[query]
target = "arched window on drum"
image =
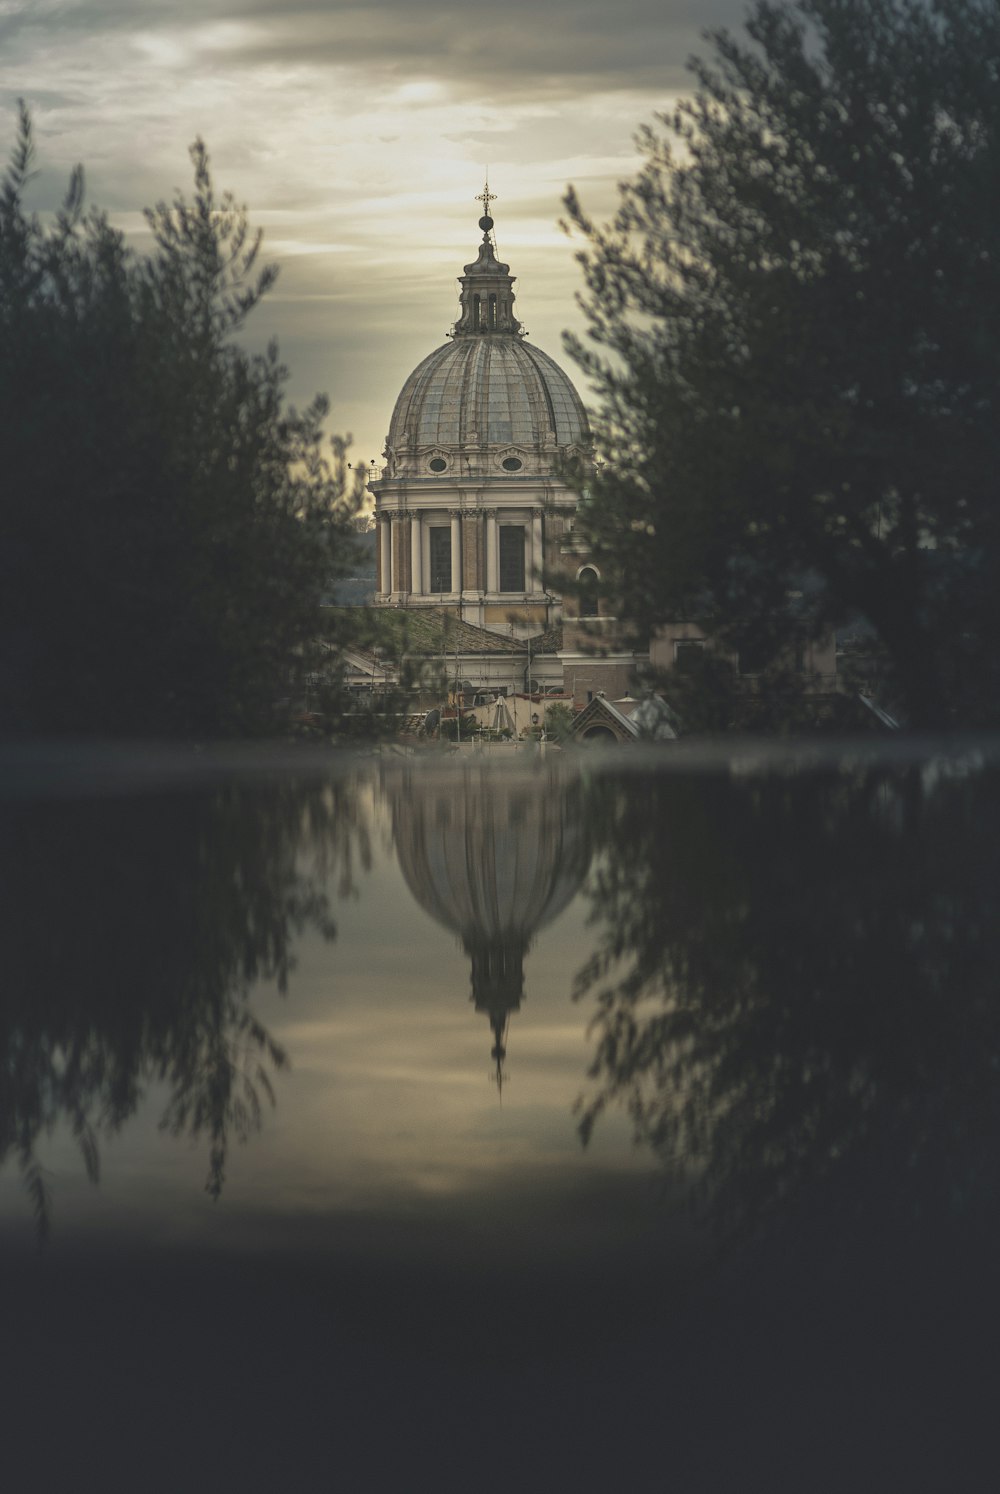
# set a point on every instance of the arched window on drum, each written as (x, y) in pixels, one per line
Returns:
(589, 582)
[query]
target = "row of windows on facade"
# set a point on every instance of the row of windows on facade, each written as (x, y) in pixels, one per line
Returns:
(511, 567)
(511, 558)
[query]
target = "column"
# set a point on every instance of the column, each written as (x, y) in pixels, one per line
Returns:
(395, 520)
(534, 581)
(456, 550)
(384, 554)
(401, 550)
(416, 554)
(492, 553)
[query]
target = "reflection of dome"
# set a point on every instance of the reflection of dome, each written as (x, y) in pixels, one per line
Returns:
(497, 859)
(493, 856)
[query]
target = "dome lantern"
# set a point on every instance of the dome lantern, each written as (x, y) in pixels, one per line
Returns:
(487, 288)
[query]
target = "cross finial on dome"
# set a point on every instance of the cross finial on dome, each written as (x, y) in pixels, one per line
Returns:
(486, 197)
(487, 286)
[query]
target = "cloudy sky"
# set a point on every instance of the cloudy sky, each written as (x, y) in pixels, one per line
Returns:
(358, 135)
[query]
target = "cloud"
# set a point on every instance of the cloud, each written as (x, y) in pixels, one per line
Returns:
(358, 135)
(473, 46)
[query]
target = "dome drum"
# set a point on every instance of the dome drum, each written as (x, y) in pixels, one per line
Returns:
(494, 465)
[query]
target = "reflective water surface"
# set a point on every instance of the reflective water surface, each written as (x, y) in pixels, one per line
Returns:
(530, 1122)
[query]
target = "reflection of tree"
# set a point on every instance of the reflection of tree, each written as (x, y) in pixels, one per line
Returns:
(795, 985)
(133, 929)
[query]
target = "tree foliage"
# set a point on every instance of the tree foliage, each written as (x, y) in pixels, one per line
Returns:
(138, 928)
(792, 988)
(170, 524)
(796, 313)
(559, 721)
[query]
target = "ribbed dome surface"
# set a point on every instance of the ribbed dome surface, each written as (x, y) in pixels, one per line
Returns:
(489, 857)
(494, 390)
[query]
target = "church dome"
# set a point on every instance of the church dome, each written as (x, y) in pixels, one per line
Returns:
(487, 403)
(498, 391)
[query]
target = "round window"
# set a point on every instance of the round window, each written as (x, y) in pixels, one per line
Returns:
(511, 464)
(438, 464)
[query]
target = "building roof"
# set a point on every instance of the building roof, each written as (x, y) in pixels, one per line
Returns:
(601, 711)
(629, 718)
(492, 390)
(549, 642)
(433, 631)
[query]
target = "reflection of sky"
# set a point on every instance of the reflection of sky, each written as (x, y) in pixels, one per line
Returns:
(402, 1276)
(387, 1111)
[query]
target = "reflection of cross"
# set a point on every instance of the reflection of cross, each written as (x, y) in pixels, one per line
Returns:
(486, 197)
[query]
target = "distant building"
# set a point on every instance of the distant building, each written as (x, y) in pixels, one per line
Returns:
(675, 644)
(626, 720)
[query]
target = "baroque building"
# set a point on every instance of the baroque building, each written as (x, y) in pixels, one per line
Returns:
(472, 514)
(477, 528)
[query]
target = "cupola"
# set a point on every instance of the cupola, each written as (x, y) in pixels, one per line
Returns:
(487, 293)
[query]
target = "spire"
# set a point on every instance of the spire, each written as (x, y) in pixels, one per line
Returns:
(487, 286)
(498, 1025)
(497, 987)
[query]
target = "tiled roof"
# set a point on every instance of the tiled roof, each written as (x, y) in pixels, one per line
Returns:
(436, 630)
(549, 642)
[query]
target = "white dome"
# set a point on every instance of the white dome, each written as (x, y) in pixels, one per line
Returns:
(487, 402)
(495, 390)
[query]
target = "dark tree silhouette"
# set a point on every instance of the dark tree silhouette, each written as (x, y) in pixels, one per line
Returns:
(795, 988)
(797, 320)
(169, 524)
(134, 928)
